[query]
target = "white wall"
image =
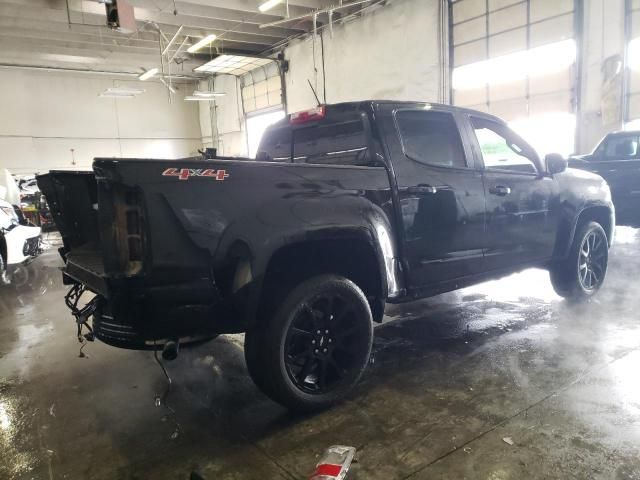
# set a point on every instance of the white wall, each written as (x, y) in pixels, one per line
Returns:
(392, 53)
(45, 114)
(227, 117)
(603, 37)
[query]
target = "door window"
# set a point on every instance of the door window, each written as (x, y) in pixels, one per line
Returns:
(620, 148)
(431, 137)
(502, 149)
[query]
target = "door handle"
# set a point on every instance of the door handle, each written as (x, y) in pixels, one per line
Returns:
(422, 188)
(500, 190)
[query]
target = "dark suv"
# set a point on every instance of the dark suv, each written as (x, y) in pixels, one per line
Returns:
(347, 207)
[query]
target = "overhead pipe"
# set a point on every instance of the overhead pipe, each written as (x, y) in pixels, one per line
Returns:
(9, 66)
(186, 39)
(279, 45)
(173, 39)
(315, 13)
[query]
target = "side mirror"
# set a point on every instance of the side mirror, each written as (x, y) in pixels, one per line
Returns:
(556, 163)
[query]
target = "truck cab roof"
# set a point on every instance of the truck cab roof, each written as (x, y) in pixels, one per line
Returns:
(370, 105)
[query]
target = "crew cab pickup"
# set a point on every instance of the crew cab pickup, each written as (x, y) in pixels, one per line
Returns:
(617, 160)
(345, 208)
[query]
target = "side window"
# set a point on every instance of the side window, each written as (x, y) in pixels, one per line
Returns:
(275, 145)
(502, 149)
(621, 147)
(332, 143)
(431, 138)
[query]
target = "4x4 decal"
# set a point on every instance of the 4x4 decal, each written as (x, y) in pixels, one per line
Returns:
(186, 173)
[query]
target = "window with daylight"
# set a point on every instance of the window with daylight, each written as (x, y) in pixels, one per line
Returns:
(633, 94)
(501, 149)
(552, 132)
(516, 60)
(256, 125)
(536, 62)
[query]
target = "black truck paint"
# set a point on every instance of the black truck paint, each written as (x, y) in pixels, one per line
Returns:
(395, 197)
(617, 160)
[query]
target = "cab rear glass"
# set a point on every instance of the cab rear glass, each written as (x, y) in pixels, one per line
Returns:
(332, 141)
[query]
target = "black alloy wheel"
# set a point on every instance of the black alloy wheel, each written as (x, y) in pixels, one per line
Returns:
(315, 346)
(582, 273)
(592, 260)
(322, 344)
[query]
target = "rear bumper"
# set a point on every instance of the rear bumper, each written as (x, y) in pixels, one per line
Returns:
(134, 313)
(140, 327)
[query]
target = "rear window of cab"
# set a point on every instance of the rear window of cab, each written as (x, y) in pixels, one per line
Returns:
(342, 141)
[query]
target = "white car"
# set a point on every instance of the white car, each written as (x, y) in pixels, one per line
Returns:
(18, 242)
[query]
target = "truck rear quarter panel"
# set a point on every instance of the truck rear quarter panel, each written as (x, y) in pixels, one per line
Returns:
(195, 220)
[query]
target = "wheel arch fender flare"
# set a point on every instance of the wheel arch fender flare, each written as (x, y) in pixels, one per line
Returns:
(378, 241)
(600, 212)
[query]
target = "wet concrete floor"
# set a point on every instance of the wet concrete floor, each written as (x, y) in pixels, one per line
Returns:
(500, 381)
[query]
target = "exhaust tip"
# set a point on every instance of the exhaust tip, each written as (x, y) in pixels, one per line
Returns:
(170, 350)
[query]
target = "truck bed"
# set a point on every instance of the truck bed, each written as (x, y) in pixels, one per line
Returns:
(85, 265)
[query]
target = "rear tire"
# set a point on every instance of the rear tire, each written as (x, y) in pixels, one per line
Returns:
(315, 346)
(582, 273)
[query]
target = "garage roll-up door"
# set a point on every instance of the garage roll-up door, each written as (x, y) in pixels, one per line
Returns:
(516, 59)
(261, 88)
(633, 95)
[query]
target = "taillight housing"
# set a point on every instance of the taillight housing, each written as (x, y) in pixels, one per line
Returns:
(122, 229)
(305, 116)
(334, 463)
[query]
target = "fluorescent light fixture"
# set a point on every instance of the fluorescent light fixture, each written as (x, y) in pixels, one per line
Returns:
(208, 94)
(535, 62)
(204, 95)
(633, 54)
(202, 43)
(232, 64)
(268, 5)
(203, 98)
(148, 74)
(122, 92)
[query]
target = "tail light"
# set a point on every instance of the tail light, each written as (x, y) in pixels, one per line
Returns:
(334, 463)
(123, 231)
(305, 116)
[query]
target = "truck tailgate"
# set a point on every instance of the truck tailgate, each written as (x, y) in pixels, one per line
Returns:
(73, 200)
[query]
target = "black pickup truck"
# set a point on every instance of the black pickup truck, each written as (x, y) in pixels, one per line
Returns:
(617, 160)
(346, 207)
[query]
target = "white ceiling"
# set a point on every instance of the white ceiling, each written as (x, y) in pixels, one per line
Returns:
(45, 33)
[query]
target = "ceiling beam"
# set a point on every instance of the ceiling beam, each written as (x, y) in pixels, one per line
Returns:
(251, 6)
(102, 34)
(43, 38)
(142, 15)
(212, 11)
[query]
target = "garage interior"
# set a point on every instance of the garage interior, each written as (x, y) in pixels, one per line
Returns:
(502, 380)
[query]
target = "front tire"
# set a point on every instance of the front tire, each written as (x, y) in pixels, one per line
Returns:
(316, 345)
(582, 274)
